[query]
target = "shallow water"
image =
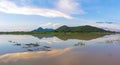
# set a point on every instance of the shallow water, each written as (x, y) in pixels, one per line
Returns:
(60, 50)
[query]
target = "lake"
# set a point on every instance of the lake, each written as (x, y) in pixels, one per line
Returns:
(60, 50)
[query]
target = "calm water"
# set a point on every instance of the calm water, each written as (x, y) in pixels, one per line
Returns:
(59, 50)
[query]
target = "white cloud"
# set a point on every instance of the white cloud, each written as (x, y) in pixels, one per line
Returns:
(28, 27)
(69, 6)
(51, 25)
(16, 28)
(10, 7)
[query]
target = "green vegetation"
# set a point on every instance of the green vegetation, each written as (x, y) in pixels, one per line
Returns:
(112, 41)
(80, 44)
(85, 28)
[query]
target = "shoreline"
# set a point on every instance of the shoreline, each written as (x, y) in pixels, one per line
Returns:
(58, 33)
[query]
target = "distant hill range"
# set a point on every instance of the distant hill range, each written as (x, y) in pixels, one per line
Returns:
(64, 28)
(40, 29)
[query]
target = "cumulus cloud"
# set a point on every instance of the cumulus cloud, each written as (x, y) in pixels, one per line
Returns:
(111, 27)
(50, 25)
(10, 7)
(16, 28)
(69, 6)
(28, 27)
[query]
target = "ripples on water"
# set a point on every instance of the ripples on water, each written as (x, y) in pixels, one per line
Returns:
(59, 50)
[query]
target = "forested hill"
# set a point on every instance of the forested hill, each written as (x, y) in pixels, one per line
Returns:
(86, 28)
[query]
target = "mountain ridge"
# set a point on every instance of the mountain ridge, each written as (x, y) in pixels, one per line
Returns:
(85, 28)
(65, 28)
(40, 29)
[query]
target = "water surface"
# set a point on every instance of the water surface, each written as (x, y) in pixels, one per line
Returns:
(60, 50)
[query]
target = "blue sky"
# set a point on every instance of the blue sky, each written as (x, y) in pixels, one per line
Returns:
(26, 15)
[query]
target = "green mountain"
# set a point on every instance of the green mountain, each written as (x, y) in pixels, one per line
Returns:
(86, 28)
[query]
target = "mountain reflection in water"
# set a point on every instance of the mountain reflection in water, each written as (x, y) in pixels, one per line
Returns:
(63, 50)
(79, 36)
